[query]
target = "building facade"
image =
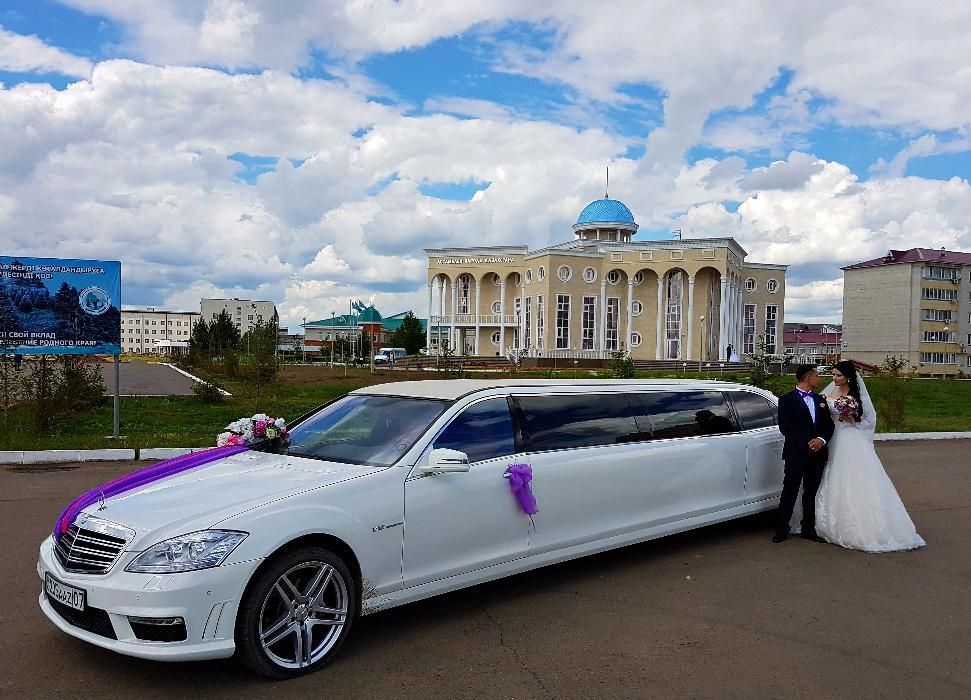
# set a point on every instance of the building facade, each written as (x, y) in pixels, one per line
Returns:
(813, 343)
(604, 292)
(244, 313)
(914, 304)
(153, 331)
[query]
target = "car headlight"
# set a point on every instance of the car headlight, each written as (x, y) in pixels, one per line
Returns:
(196, 550)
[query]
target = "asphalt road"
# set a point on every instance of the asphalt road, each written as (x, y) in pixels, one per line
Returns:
(719, 612)
(146, 379)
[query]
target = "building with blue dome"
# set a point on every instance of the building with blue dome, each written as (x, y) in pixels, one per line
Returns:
(605, 219)
(690, 300)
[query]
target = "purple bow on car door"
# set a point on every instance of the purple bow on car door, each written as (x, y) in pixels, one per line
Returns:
(519, 476)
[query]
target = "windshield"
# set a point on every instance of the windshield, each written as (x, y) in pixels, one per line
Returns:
(371, 430)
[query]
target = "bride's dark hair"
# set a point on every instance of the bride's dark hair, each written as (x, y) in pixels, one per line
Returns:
(848, 370)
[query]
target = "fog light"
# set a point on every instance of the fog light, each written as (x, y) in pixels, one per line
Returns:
(158, 629)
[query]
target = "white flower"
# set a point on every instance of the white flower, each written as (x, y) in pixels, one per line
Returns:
(260, 416)
(280, 423)
(222, 438)
(271, 433)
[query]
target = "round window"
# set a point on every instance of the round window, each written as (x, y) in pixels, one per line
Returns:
(564, 273)
(636, 308)
(517, 279)
(529, 276)
(495, 338)
(496, 307)
(541, 273)
(751, 285)
(772, 286)
(496, 279)
(635, 340)
(589, 274)
(638, 278)
(613, 277)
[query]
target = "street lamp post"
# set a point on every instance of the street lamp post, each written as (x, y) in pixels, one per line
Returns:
(333, 336)
(303, 345)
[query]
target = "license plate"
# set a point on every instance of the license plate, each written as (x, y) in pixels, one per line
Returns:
(61, 592)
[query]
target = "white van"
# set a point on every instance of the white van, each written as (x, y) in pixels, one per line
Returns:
(384, 355)
(395, 493)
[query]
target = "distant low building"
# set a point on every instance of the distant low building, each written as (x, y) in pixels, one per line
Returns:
(244, 313)
(813, 343)
(914, 304)
(365, 320)
(154, 331)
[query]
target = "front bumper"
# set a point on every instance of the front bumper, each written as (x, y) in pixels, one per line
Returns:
(207, 600)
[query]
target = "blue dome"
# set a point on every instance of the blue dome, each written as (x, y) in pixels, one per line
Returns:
(606, 211)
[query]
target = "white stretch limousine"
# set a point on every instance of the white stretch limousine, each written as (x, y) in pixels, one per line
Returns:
(394, 493)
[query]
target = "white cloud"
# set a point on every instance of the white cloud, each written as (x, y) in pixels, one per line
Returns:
(29, 54)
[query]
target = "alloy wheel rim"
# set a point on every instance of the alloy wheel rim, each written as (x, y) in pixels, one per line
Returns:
(303, 615)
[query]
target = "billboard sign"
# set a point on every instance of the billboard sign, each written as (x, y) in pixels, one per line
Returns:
(51, 306)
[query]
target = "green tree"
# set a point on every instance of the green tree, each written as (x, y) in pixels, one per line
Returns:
(223, 334)
(409, 335)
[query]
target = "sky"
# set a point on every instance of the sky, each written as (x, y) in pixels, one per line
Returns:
(308, 151)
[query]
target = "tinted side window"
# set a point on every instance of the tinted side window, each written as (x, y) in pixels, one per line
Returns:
(482, 431)
(578, 420)
(688, 413)
(753, 411)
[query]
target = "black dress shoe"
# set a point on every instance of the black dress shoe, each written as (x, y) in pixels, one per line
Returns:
(813, 537)
(780, 537)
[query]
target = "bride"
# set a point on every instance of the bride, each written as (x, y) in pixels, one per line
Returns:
(857, 506)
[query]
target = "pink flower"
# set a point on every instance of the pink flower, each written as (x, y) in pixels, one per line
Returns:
(235, 440)
(259, 428)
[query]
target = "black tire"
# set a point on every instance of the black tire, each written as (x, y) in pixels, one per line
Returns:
(264, 613)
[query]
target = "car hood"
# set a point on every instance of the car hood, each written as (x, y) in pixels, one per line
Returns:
(200, 497)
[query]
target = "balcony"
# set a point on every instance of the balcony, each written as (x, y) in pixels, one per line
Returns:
(470, 320)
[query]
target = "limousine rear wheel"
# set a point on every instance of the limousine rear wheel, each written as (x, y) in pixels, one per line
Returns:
(296, 613)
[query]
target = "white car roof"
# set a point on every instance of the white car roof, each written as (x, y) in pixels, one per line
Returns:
(451, 389)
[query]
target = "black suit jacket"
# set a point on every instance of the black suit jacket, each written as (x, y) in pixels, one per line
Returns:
(798, 427)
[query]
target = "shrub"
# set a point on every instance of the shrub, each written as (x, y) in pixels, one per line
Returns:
(890, 406)
(621, 365)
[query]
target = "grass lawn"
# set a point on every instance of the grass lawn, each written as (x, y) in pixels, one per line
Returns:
(932, 405)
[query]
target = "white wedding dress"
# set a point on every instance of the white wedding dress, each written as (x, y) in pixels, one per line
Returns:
(857, 506)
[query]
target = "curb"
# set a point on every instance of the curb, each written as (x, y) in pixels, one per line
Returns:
(191, 376)
(147, 453)
(921, 436)
(54, 456)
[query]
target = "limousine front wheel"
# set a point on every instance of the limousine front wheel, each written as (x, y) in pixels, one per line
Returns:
(296, 613)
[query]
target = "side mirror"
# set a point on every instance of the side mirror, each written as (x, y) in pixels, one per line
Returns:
(442, 460)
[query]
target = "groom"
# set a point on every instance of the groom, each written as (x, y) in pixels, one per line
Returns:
(805, 422)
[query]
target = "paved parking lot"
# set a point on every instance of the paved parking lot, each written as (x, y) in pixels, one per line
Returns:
(146, 379)
(719, 612)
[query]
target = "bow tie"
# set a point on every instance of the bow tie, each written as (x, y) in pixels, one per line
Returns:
(804, 394)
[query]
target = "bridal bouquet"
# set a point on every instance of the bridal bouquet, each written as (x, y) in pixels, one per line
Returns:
(846, 406)
(252, 431)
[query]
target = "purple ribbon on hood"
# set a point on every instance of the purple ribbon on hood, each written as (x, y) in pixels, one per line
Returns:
(137, 479)
(519, 476)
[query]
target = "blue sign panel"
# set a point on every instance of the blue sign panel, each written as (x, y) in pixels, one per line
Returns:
(60, 307)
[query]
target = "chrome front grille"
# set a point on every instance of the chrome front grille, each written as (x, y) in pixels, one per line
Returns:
(91, 547)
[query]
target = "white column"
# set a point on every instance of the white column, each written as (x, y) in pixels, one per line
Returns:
(739, 310)
(478, 291)
(691, 317)
(451, 332)
(603, 315)
(630, 313)
(502, 318)
(660, 317)
(723, 319)
(428, 329)
(734, 317)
